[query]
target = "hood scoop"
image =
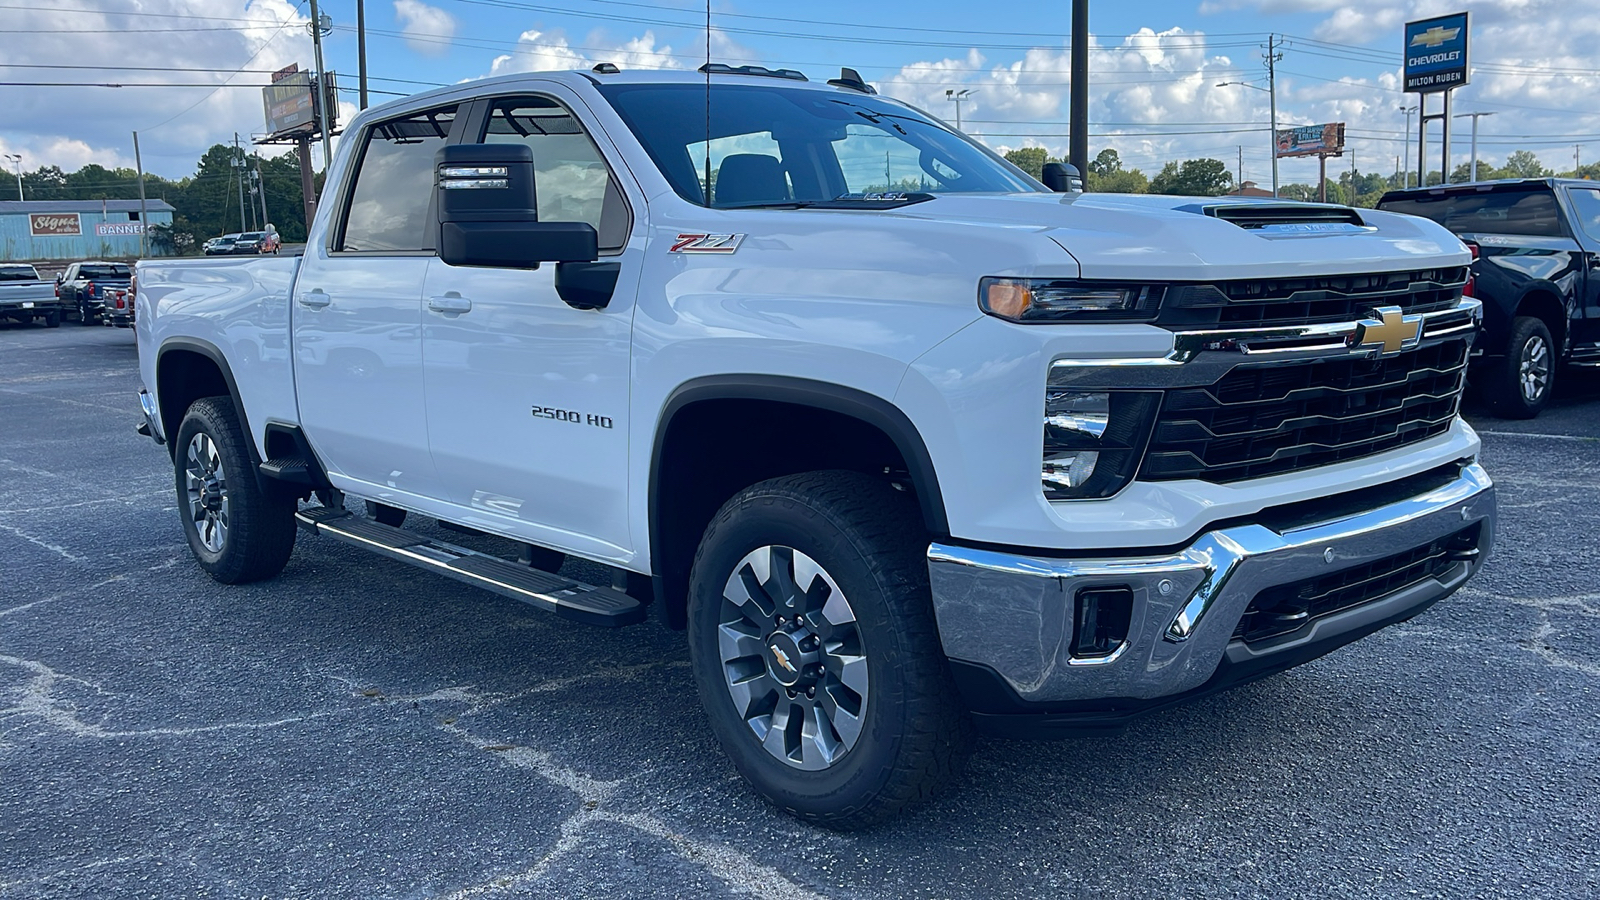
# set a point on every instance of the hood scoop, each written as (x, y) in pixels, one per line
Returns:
(1289, 218)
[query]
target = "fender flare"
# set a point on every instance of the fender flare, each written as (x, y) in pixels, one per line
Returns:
(209, 351)
(868, 408)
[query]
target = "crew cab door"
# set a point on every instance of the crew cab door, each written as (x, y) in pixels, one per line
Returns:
(528, 396)
(357, 315)
(1586, 225)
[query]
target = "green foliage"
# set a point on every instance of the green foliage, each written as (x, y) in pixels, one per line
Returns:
(1106, 175)
(1522, 164)
(1030, 160)
(206, 203)
(1193, 178)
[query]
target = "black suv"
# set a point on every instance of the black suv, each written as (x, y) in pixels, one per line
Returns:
(1536, 267)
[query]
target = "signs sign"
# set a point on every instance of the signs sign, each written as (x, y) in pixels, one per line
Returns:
(112, 229)
(288, 102)
(1312, 140)
(1436, 54)
(54, 224)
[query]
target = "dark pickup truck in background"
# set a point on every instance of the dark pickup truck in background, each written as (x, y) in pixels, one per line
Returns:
(1536, 267)
(86, 287)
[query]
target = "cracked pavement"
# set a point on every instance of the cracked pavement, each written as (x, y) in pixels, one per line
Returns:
(358, 729)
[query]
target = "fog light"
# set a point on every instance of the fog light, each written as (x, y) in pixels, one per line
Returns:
(1093, 441)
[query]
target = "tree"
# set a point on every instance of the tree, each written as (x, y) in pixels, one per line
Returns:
(1106, 162)
(1030, 160)
(1523, 164)
(1121, 181)
(1195, 177)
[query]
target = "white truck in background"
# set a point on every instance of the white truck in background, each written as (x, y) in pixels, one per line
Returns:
(907, 442)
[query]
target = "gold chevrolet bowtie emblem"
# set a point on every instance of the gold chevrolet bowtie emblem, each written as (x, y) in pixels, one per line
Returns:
(782, 658)
(1389, 326)
(1434, 36)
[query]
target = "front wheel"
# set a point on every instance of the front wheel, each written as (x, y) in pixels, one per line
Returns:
(815, 652)
(237, 531)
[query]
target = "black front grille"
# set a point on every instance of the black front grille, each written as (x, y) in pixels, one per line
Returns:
(1287, 608)
(1266, 419)
(1300, 301)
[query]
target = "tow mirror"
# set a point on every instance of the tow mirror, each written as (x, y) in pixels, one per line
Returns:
(1063, 178)
(489, 214)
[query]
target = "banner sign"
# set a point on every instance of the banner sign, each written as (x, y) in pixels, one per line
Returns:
(54, 224)
(1436, 54)
(288, 103)
(1312, 140)
(108, 229)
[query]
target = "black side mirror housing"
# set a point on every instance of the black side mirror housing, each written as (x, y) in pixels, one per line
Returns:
(489, 212)
(1062, 177)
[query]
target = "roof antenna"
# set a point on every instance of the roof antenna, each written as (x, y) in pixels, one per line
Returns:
(707, 70)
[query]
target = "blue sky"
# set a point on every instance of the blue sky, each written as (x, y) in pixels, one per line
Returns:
(1154, 67)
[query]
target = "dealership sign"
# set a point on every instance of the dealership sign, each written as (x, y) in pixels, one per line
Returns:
(1436, 54)
(54, 225)
(109, 229)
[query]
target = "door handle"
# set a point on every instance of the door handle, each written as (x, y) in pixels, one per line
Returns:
(315, 298)
(451, 302)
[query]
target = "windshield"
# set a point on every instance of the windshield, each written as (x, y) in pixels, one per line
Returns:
(107, 271)
(776, 146)
(1516, 210)
(253, 236)
(18, 273)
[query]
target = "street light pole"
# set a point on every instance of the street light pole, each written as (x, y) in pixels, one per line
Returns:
(958, 96)
(1272, 89)
(1474, 117)
(1406, 174)
(16, 160)
(1273, 136)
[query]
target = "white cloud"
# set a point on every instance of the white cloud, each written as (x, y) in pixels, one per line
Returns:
(428, 29)
(68, 127)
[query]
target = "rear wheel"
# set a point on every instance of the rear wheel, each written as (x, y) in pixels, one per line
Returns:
(52, 319)
(85, 317)
(1519, 386)
(815, 651)
(237, 531)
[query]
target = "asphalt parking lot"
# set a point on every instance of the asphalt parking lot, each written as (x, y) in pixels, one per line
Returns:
(357, 729)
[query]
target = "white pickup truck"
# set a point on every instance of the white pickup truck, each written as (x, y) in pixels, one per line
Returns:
(25, 297)
(907, 442)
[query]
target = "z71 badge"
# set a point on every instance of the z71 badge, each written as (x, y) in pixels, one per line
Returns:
(706, 243)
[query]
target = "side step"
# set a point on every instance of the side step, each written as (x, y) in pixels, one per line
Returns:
(566, 598)
(292, 469)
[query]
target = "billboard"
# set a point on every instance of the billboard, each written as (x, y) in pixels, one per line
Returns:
(288, 102)
(1311, 140)
(54, 224)
(111, 229)
(1436, 54)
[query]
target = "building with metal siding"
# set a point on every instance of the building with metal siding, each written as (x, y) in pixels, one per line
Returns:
(41, 230)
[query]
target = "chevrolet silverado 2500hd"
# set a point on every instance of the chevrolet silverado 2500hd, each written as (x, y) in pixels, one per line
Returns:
(905, 441)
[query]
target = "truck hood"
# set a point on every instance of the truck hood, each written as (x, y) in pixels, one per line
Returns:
(1144, 236)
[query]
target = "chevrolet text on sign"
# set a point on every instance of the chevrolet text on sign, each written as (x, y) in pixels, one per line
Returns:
(1436, 54)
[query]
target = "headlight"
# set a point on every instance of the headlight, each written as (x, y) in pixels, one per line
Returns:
(1056, 300)
(1093, 440)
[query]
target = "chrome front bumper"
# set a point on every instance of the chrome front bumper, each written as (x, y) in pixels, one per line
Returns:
(1013, 614)
(151, 426)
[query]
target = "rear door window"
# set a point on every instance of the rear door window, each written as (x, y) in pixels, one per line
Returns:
(1530, 212)
(1586, 206)
(389, 206)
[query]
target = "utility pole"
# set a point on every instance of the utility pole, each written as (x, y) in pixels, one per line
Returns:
(1408, 110)
(238, 166)
(1078, 114)
(1474, 116)
(958, 96)
(1577, 163)
(1272, 90)
(144, 212)
(361, 47)
(261, 183)
(322, 86)
(1241, 168)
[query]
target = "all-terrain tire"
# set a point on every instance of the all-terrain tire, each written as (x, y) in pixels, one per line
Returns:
(258, 525)
(914, 736)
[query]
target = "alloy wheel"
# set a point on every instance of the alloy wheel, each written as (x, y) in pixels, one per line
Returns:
(1533, 369)
(206, 483)
(792, 657)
